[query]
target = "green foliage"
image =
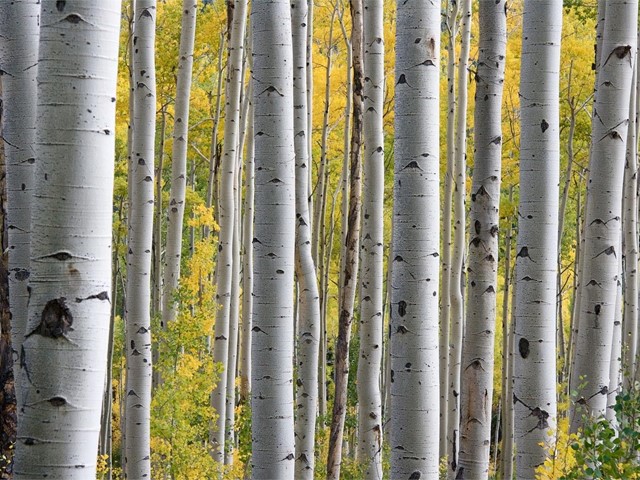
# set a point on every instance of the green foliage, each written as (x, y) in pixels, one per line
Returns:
(181, 412)
(603, 449)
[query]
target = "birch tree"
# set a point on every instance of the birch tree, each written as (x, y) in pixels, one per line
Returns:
(138, 315)
(349, 258)
(445, 288)
(274, 243)
(459, 248)
(414, 282)
(477, 358)
(175, 209)
(630, 237)
(534, 392)
(372, 241)
(226, 206)
(20, 27)
(610, 120)
(309, 300)
(65, 346)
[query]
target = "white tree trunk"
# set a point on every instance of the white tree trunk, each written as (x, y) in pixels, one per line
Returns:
(226, 203)
(414, 289)
(138, 315)
(456, 286)
(273, 243)
(309, 301)
(630, 253)
(590, 378)
(247, 263)
(65, 347)
(20, 29)
(445, 288)
(477, 360)
(534, 393)
(349, 257)
(371, 250)
(175, 209)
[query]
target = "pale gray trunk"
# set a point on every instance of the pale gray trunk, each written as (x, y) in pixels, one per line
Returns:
(138, 315)
(456, 291)
(477, 354)
(414, 289)
(371, 250)
(226, 207)
(506, 465)
(19, 24)
(445, 294)
(247, 264)
(272, 424)
(309, 301)
(349, 259)
(534, 393)
(615, 364)
(65, 346)
(630, 237)
(603, 211)
(175, 209)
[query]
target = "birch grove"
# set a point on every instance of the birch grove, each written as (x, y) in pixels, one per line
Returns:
(328, 282)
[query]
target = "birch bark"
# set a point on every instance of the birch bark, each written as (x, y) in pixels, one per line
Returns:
(350, 258)
(457, 289)
(175, 209)
(20, 27)
(274, 243)
(138, 314)
(603, 211)
(226, 206)
(415, 270)
(309, 300)
(371, 250)
(477, 354)
(65, 347)
(534, 393)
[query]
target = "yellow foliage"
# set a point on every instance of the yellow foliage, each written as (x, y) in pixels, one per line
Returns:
(561, 456)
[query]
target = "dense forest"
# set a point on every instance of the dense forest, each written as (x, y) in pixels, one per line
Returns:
(308, 239)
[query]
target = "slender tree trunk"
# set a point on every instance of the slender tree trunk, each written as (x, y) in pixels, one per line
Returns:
(534, 393)
(506, 466)
(372, 241)
(7, 380)
(457, 292)
(615, 364)
(274, 243)
(590, 379)
(349, 263)
(20, 27)
(630, 252)
(445, 296)
(156, 293)
(175, 209)
(65, 347)
(477, 359)
(319, 205)
(226, 212)
(309, 301)
(138, 315)
(247, 263)
(414, 289)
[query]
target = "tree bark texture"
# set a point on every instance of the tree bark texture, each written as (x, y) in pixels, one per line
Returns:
(64, 351)
(274, 243)
(415, 264)
(534, 393)
(478, 351)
